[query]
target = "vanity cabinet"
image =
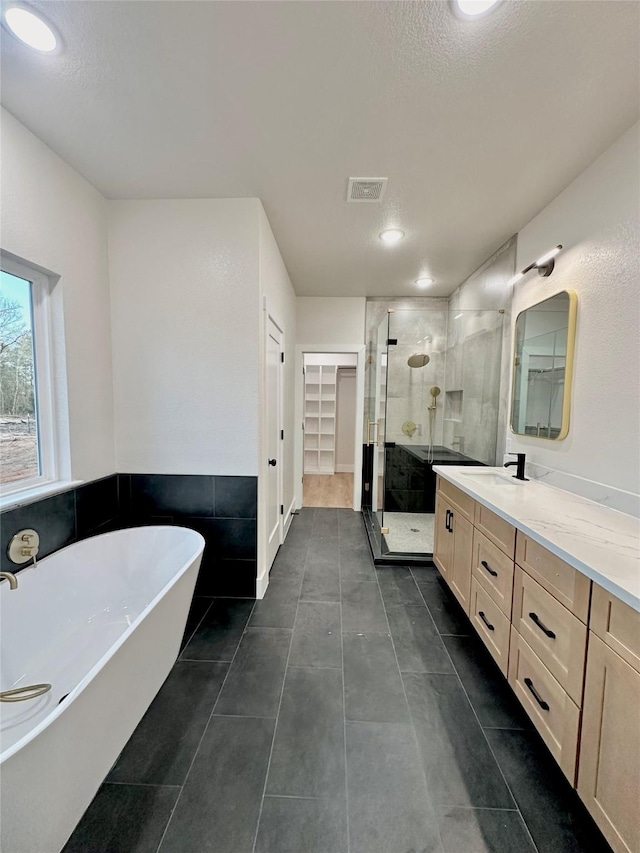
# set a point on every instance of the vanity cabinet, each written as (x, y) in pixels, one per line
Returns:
(453, 546)
(609, 770)
(569, 649)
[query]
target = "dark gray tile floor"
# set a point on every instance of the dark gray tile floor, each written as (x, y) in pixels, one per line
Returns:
(352, 710)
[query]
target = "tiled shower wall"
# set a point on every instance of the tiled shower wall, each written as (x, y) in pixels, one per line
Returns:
(222, 509)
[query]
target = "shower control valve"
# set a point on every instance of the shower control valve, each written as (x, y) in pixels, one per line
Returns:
(24, 546)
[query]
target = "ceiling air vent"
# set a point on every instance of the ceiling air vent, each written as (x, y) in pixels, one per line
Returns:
(366, 189)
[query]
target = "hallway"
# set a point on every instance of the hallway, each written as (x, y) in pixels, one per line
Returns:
(350, 711)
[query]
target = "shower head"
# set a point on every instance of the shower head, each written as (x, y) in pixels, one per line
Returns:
(434, 391)
(418, 359)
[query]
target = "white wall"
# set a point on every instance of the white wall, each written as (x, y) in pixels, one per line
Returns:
(185, 318)
(340, 359)
(329, 320)
(596, 220)
(55, 219)
(278, 299)
(490, 288)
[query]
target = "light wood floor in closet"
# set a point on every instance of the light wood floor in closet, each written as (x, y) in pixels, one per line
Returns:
(335, 490)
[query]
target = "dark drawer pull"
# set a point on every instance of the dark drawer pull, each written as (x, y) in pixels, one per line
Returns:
(485, 620)
(536, 620)
(446, 523)
(486, 566)
(544, 705)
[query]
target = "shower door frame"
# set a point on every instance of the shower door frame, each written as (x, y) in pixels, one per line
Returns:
(371, 514)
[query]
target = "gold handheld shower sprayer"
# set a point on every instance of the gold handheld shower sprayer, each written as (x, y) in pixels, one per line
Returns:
(431, 410)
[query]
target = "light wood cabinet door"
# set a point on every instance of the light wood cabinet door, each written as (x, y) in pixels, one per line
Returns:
(459, 577)
(443, 538)
(609, 769)
(457, 499)
(617, 624)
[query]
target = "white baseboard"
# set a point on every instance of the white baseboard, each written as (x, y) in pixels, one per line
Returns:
(261, 585)
(289, 517)
(344, 469)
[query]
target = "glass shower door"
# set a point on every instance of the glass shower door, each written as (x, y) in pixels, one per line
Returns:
(377, 419)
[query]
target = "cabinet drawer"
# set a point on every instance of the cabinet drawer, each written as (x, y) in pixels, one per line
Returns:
(557, 637)
(499, 531)
(491, 624)
(458, 499)
(559, 578)
(551, 709)
(493, 571)
(617, 624)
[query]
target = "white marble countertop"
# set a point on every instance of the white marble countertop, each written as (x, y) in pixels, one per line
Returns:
(598, 541)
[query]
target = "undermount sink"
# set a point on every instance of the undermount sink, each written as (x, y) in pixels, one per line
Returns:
(490, 478)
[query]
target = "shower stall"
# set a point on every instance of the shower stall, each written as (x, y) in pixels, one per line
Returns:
(433, 395)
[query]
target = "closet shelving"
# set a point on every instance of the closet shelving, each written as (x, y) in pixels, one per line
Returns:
(320, 418)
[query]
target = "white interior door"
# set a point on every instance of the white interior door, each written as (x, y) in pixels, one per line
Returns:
(274, 440)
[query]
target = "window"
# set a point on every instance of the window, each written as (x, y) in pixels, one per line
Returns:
(27, 441)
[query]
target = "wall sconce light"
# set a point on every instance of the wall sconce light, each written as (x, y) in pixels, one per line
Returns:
(544, 265)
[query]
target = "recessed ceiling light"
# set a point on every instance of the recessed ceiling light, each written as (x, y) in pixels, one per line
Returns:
(470, 9)
(30, 28)
(391, 236)
(424, 282)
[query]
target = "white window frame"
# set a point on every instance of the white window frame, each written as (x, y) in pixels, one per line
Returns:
(46, 422)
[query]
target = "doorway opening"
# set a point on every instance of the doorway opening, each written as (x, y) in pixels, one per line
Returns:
(329, 429)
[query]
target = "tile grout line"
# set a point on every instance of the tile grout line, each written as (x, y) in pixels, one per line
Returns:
(275, 725)
(191, 636)
(344, 693)
(404, 693)
(195, 754)
(464, 690)
(141, 785)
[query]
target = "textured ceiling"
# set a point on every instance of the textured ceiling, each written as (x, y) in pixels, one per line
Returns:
(478, 125)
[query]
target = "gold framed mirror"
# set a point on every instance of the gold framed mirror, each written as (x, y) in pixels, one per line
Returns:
(543, 367)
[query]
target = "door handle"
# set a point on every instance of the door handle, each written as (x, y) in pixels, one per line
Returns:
(369, 425)
(446, 523)
(273, 462)
(450, 521)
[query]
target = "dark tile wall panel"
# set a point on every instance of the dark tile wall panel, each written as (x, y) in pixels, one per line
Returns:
(62, 519)
(236, 497)
(171, 494)
(222, 509)
(96, 505)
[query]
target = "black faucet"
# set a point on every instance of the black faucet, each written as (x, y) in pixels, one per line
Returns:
(519, 475)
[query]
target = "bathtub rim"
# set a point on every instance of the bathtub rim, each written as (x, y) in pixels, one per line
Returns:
(80, 687)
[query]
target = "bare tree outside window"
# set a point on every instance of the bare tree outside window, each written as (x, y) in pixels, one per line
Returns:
(19, 457)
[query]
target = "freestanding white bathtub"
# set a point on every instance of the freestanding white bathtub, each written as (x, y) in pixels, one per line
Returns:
(101, 621)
